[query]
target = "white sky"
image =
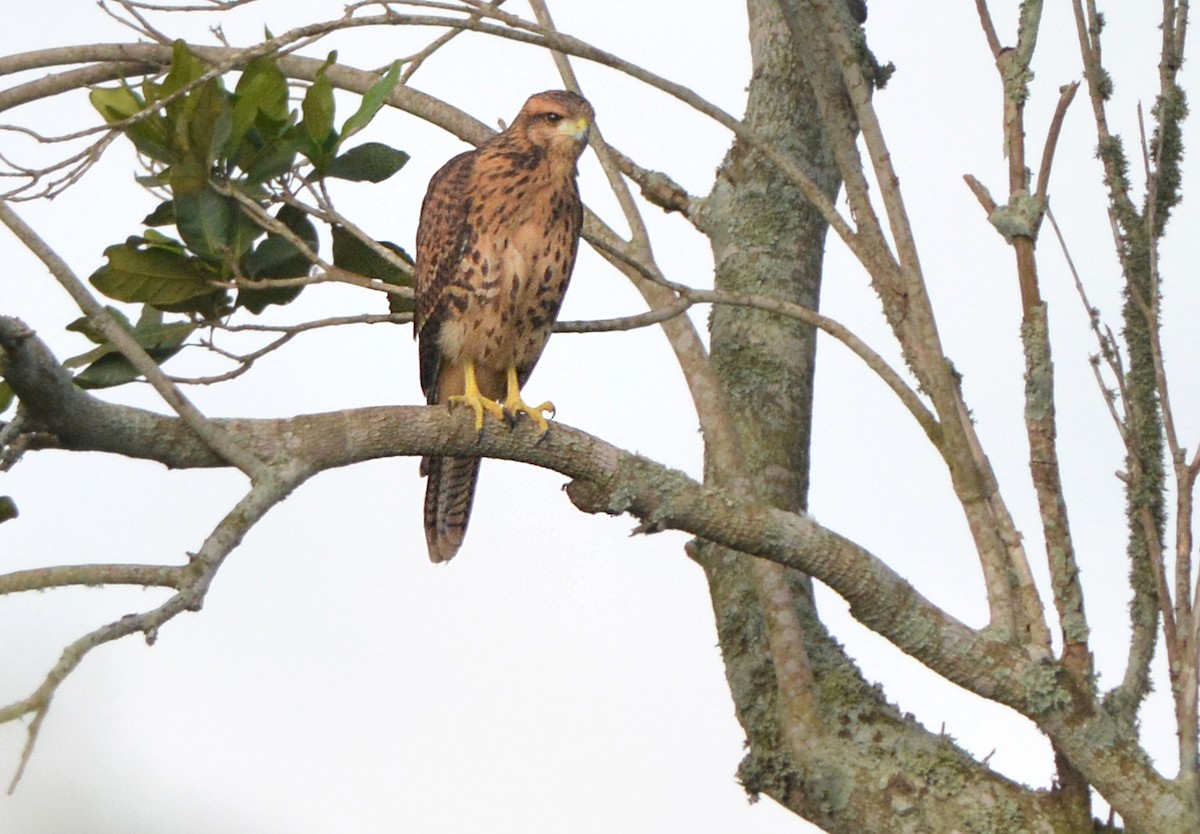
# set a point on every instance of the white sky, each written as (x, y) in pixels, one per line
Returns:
(558, 675)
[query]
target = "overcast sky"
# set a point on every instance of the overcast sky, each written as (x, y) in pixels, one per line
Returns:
(558, 675)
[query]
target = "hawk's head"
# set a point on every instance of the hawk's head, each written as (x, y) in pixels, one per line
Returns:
(557, 122)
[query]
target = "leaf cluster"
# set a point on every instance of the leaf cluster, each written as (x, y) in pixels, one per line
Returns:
(217, 154)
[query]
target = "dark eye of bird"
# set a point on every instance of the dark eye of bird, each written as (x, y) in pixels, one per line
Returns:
(553, 118)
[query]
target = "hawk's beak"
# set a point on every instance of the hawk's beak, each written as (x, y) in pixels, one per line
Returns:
(577, 130)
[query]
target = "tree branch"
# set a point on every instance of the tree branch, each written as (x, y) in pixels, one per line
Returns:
(604, 479)
(62, 576)
(1012, 594)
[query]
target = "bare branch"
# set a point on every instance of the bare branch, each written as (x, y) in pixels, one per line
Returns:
(660, 189)
(217, 439)
(1018, 221)
(244, 362)
(646, 319)
(981, 193)
(874, 361)
(414, 62)
(1110, 351)
(207, 6)
(193, 583)
(1066, 96)
(989, 28)
(139, 24)
(62, 576)
(1012, 595)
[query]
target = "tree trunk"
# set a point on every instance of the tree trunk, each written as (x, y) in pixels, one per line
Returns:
(822, 740)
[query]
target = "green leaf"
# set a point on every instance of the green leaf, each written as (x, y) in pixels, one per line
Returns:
(206, 118)
(189, 175)
(298, 221)
(111, 370)
(351, 253)
(153, 275)
(151, 135)
(211, 307)
(318, 107)
(199, 129)
(115, 104)
(275, 257)
(213, 225)
(163, 337)
(278, 257)
(107, 366)
(398, 304)
(372, 101)
(370, 162)
(257, 299)
(159, 180)
(8, 507)
(204, 219)
(152, 237)
(185, 69)
(163, 215)
(274, 159)
(262, 89)
(7, 397)
(83, 325)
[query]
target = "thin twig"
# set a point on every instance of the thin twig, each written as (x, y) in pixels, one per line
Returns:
(413, 62)
(304, 327)
(1066, 96)
(622, 323)
(1109, 350)
(210, 6)
(195, 581)
(142, 26)
(244, 362)
(989, 28)
(981, 193)
(874, 361)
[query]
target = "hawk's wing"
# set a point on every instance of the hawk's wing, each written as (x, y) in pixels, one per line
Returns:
(443, 234)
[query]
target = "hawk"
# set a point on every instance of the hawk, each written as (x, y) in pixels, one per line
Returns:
(496, 243)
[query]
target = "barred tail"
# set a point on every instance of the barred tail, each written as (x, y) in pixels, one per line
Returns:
(448, 494)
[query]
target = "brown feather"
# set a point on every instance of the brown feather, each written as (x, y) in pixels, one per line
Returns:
(449, 491)
(496, 244)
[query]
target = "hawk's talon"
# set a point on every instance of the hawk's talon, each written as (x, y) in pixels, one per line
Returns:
(479, 405)
(514, 407)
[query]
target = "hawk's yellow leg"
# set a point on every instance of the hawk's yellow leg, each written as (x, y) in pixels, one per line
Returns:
(473, 398)
(514, 405)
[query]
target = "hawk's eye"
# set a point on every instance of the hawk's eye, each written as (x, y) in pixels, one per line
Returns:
(553, 118)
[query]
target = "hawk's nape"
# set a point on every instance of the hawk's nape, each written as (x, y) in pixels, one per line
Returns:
(496, 244)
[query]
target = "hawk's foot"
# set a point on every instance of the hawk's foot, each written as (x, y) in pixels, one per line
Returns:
(477, 402)
(514, 406)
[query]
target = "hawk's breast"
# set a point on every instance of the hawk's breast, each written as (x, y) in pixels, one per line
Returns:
(511, 281)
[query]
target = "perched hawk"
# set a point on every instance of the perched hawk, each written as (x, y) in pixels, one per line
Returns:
(496, 243)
